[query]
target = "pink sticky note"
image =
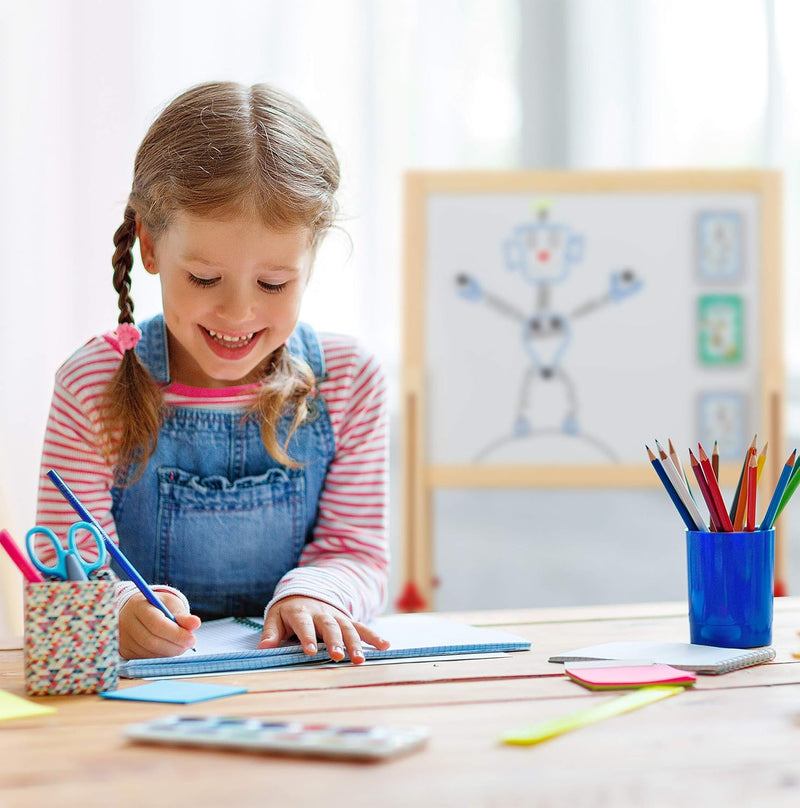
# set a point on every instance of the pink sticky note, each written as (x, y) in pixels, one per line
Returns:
(620, 677)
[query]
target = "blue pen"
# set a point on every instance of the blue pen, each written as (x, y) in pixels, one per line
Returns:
(112, 548)
(662, 475)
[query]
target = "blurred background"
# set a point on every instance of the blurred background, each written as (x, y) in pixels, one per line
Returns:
(397, 84)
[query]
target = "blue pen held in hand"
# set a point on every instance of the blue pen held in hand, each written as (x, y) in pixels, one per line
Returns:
(112, 548)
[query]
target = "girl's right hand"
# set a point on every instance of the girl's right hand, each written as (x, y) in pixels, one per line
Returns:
(145, 632)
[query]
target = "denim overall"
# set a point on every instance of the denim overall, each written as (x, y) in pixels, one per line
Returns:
(213, 514)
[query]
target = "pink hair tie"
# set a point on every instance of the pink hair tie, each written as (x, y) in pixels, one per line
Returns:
(128, 336)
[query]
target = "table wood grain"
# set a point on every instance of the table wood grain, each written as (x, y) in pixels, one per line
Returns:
(732, 740)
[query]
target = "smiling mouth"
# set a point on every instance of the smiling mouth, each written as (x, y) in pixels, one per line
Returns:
(229, 340)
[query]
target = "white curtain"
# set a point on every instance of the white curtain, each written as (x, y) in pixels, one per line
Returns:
(688, 84)
(668, 85)
(407, 83)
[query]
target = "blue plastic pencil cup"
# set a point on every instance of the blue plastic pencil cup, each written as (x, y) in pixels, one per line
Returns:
(730, 587)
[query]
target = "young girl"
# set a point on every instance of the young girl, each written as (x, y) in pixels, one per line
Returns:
(238, 458)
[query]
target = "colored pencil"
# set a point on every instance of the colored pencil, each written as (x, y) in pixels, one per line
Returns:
(678, 465)
(662, 475)
(742, 492)
(715, 460)
(716, 494)
(780, 488)
(705, 491)
(29, 572)
(791, 487)
(762, 458)
(752, 484)
(742, 474)
(681, 489)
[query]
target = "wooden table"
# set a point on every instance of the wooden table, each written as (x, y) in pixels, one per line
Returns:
(733, 739)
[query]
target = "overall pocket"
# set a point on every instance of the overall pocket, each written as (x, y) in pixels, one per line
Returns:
(226, 544)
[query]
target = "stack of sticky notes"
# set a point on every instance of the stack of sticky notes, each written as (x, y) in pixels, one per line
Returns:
(609, 675)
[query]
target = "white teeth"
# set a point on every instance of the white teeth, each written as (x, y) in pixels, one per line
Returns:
(227, 338)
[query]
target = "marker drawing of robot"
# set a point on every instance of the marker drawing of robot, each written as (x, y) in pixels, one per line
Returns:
(544, 254)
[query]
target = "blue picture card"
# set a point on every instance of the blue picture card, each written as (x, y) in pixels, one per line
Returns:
(174, 692)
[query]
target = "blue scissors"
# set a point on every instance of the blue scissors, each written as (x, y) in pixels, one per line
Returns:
(69, 564)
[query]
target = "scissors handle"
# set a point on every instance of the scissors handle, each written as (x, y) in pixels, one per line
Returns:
(68, 564)
(57, 568)
(72, 539)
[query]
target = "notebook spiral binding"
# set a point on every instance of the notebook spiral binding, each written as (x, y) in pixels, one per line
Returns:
(249, 622)
(747, 659)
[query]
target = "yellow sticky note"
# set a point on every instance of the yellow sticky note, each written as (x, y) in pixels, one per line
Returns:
(12, 706)
(558, 726)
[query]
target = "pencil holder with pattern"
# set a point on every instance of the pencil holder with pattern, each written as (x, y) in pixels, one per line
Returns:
(71, 637)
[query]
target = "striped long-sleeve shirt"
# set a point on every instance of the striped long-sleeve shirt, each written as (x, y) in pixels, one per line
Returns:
(346, 562)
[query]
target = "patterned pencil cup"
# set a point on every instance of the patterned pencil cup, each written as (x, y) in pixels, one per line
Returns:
(731, 587)
(71, 637)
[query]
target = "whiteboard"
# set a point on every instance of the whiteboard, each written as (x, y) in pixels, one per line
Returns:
(620, 364)
(556, 322)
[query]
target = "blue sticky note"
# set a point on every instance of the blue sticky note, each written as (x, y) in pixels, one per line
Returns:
(173, 692)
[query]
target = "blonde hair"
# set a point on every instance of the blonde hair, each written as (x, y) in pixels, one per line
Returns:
(219, 149)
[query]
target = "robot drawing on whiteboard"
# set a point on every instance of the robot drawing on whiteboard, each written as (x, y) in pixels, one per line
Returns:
(544, 254)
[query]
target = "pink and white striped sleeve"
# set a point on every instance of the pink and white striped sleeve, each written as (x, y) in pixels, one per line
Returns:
(346, 563)
(71, 447)
(71, 443)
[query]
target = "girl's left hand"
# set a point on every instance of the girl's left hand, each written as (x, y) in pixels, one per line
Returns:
(309, 618)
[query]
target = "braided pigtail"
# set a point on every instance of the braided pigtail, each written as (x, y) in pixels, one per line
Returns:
(131, 405)
(287, 386)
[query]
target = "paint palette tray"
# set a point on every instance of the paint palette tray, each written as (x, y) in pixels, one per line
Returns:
(248, 734)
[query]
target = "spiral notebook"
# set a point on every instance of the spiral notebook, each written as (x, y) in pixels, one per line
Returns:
(229, 645)
(698, 658)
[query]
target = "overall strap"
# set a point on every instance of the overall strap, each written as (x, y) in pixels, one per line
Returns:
(152, 348)
(304, 344)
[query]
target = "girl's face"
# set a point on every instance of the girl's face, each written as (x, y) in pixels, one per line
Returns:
(231, 291)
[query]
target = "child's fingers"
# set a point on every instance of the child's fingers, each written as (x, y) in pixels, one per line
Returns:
(130, 649)
(352, 642)
(174, 604)
(274, 629)
(191, 622)
(302, 625)
(164, 630)
(156, 635)
(330, 629)
(368, 635)
(308, 619)
(145, 632)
